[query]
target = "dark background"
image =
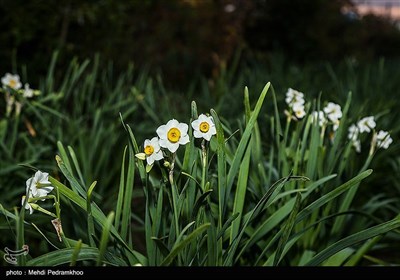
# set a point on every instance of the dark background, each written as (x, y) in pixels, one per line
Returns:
(184, 38)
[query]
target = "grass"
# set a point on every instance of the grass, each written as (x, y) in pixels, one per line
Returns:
(266, 190)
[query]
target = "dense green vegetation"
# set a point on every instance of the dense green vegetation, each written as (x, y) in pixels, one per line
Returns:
(263, 191)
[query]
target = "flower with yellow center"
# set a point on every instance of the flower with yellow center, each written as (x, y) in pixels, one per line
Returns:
(172, 134)
(152, 151)
(204, 127)
(11, 81)
(38, 185)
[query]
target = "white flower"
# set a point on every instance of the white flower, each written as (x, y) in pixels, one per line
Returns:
(320, 116)
(172, 135)
(333, 111)
(366, 124)
(11, 81)
(293, 96)
(152, 150)
(383, 139)
(204, 127)
(28, 206)
(298, 110)
(353, 132)
(39, 185)
(28, 92)
(357, 145)
(336, 125)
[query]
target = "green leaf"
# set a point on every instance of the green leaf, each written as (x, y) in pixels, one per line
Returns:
(240, 194)
(98, 215)
(74, 183)
(237, 159)
(91, 232)
(332, 194)
(287, 229)
(353, 239)
(120, 200)
(64, 256)
(179, 247)
(75, 253)
(104, 238)
(161, 246)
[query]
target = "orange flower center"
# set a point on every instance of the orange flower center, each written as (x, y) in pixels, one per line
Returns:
(174, 135)
(204, 127)
(149, 150)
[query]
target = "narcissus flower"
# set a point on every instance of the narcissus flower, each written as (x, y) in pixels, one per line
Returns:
(333, 112)
(11, 81)
(204, 127)
(357, 145)
(366, 124)
(293, 96)
(299, 111)
(39, 185)
(353, 132)
(152, 151)
(383, 139)
(172, 135)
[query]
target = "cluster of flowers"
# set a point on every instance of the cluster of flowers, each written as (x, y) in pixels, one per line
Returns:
(332, 113)
(12, 87)
(380, 139)
(295, 100)
(37, 188)
(172, 134)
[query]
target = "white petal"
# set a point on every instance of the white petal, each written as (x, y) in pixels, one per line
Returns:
(29, 183)
(207, 136)
(172, 147)
(164, 143)
(183, 127)
(146, 143)
(196, 124)
(184, 140)
(155, 143)
(197, 134)
(150, 160)
(172, 123)
(213, 130)
(162, 132)
(158, 156)
(203, 118)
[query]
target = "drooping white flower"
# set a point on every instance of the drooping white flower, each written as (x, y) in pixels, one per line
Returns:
(172, 134)
(333, 112)
(204, 127)
(366, 124)
(28, 92)
(357, 145)
(383, 139)
(293, 96)
(152, 150)
(27, 206)
(320, 116)
(12, 81)
(39, 185)
(353, 132)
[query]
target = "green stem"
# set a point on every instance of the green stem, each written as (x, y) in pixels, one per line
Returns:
(204, 165)
(174, 194)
